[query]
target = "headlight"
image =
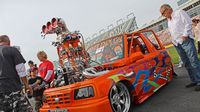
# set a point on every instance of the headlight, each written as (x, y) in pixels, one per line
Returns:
(85, 92)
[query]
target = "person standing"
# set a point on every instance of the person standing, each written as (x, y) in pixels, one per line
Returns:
(12, 73)
(46, 68)
(197, 32)
(31, 66)
(180, 27)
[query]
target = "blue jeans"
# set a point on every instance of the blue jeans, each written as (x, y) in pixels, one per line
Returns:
(188, 54)
(180, 62)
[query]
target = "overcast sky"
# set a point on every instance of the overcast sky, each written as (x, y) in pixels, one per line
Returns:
(22, 20)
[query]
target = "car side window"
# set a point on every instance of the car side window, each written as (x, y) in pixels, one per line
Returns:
(151, 37)
(138, 45)
(143, 46)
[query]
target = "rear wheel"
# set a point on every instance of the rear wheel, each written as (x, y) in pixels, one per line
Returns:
(120, 98)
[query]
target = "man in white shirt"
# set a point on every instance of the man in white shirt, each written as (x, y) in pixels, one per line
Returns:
(180, 27)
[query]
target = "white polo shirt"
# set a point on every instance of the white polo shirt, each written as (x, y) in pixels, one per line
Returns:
(180, 25)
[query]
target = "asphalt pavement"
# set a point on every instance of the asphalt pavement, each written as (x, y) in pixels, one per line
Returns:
(173, 97)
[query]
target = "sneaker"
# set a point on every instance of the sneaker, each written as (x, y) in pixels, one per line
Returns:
(180, 65)
(191, 85)
(197, 88)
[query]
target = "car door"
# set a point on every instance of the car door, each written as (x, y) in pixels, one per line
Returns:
(164, 65)
(147, 70)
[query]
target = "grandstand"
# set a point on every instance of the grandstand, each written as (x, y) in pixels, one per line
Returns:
(121, 27)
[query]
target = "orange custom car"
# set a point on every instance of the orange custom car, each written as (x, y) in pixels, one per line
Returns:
(125, 69)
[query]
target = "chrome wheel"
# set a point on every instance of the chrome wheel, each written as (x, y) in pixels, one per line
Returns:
(120, 99)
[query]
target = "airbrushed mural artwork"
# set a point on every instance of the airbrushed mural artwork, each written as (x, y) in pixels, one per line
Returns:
(106, 51)
(109, 76)
(158, 68)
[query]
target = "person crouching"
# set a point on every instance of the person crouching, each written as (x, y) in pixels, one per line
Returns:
(38, 86)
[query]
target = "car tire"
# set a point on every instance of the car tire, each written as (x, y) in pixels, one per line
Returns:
(120, 98)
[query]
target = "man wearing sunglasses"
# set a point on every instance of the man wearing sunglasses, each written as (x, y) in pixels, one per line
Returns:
(180, 27)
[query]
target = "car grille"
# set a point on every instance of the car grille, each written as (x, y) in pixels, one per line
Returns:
(63, 99)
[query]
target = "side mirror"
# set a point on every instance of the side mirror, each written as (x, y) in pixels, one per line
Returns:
(136, 56)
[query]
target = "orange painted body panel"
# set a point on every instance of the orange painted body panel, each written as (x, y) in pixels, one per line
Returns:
(145, 73)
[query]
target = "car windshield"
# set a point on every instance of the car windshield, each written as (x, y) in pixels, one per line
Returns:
(107, 51)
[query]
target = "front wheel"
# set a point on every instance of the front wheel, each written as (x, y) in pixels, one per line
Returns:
(120, 98)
